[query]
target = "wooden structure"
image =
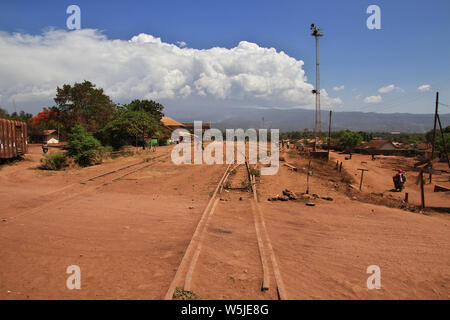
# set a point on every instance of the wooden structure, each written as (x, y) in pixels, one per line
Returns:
(171, 124)
(13, 138)
(190, 126)
(362, 177)
(50, 136)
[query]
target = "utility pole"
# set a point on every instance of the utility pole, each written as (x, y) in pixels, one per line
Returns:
(316, 32)
(362, 176)
(444, 144)
(422, 192)
(262, 122)
(434, 135)
(329, 136)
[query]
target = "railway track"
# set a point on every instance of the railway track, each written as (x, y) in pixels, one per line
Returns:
(73, 190)
(229, 239)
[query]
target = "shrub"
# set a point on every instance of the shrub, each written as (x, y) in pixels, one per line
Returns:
(181, 294)
(104, 152)
(83, 147)
(254, 172)
(247, 184)
(53, 161)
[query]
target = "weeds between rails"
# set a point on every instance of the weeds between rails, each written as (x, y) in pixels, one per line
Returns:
(187, 266)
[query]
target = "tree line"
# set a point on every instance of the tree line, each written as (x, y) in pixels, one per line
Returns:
(82, 104)
(351, 140)
(88, 119)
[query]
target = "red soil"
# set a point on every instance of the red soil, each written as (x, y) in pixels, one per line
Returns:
(129, 236)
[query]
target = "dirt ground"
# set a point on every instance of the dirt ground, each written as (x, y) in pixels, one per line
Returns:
(128, 236)
(324, 250)
(379, 178)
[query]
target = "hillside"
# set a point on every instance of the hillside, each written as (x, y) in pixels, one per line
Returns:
(300, 119)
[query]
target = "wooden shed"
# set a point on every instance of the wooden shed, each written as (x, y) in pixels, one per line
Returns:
(50, 136)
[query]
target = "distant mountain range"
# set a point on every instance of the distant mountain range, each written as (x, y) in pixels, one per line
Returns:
(300, 119)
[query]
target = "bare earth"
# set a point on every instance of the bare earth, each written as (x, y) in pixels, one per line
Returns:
(129, 235)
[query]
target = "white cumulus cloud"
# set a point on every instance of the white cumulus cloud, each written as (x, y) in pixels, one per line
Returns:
(424, 87)
(389, 88)
(339, 88)
(373, 99)
(145, 67)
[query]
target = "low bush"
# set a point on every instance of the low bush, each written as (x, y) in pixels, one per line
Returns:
(255, 172)
(53, 161)
(83, 147)
(181, 294)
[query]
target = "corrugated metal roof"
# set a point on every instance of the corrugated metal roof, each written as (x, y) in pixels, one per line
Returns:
(377, 144)
(169, 122)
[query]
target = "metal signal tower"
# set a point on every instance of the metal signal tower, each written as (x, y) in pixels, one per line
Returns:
(317, 33)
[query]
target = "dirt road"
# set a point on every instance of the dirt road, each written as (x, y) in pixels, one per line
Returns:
(129, 236)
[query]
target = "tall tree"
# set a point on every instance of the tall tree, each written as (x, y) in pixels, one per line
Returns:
(4, 114)
(46, 119)
(350, 139)
(153, 108)
(83, 104)
(127, 124)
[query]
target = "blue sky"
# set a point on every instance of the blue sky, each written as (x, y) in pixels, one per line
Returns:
(411, 49)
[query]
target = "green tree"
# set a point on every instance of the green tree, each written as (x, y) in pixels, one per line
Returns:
(4, 114)
(440, 143)
(127, 123)
(350, 139)
(154, 109)
(429, 134)
(21, 116)
(83, 104)
(82, 146)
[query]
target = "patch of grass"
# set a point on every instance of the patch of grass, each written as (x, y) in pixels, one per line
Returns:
(247, 185)
(123, 153)
(181, 294)
(227, 185)
(255, 172)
